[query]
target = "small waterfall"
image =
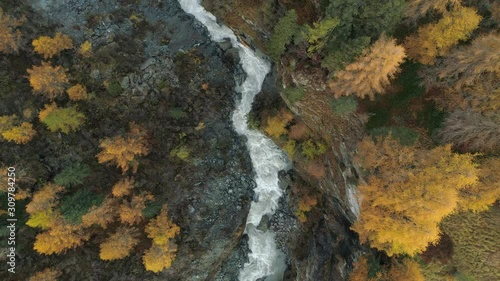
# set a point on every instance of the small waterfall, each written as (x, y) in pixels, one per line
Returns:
(265, 260)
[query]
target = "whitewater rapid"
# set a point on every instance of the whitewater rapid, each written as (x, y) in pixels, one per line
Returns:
(265, 260)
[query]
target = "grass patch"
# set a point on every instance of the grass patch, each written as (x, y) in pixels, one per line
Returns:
(294, 94)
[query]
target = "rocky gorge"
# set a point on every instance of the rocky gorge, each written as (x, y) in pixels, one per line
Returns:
(160, 68)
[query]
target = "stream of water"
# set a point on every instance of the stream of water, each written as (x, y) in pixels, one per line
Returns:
(265, 260)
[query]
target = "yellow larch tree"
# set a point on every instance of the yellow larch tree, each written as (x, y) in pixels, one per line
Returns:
(48, 274)
(77, 92)
(371, 72)
(276, 125)
(59, 238)
(486, 192)
(43, 219)
(20, 134)
(85, 49)
(360, 270)
(101, 215)
(51, 46)
(130, 212)
(408, 192)
(48, 80)
(44, 199)
(161, 254)
(10, 36)
(123, 150)
(123, 187)
(119, 245)
(434, 40)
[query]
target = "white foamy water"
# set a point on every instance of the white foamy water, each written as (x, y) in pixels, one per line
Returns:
(265, 260)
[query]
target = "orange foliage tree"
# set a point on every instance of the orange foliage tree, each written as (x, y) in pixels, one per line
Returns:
(44, 199)
(48, 274)
(101, 215)
(59, 238)
(161, 254)
(49, 47)
(371, 72)
(123, 187)
(122, 151)
(20, 134)
(276, 125)
(130, 212)
(408, 192)
(10, 37)
(77, 92)
(119, 244)
(48, 80)
(360, 270)
(434, 40)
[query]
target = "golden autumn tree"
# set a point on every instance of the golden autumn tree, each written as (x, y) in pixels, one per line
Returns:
(123, 150)
(48, 274)
(409, 270)
(360, 270)
(48, 80)
(85, 49)
(408, 192)
(276, 125)
(486, 192)
(10, 36)
(123, 187)
(161, 254)
(119, 244)
(77, 92)
(51, 46)
(59, 238)
(20, 134)
(44, 199)
(434, 40)
(101, 215)
(371, 72)
(130, 211)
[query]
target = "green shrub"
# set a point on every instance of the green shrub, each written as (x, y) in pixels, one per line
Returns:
(181, 152)
(316, 35)
(282, 35)
(344, 105)
(294, 94)
(74, 206)
(312, 149)
(65, 120)
(114, 88)
(177, 113)
(406, 136)
(72, 175)
(152, 209)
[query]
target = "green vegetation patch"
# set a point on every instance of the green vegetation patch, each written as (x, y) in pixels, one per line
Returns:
(282, 35)
(74, 206)
(177, 113)
(406, 136)
(344, 105)
(294, 94)
(72, 175)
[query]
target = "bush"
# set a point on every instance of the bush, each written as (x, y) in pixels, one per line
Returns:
(344, 105)
(114, 88)
(181, 152)
(289, 148)
(405, 136)
(177, 113)
(294, 94)
(312, 149)
(282, 34)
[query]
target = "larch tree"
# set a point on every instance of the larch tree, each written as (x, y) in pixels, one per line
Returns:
(85, 49)
(77, 92)
(360, 270)
(48, 274)
(59, 238)
(66, 120)
(471, 131)
(44, 199)
(123, 150)
(483, 195)
(161, 254)
(371, 72)
(123, 187)
(119, 244)
(408, 192)
(437, 39)
(10, 36)
(48, 80)
(416, 9)
(21, 134)
(130, 211)
(101, 215)
(51, 46)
